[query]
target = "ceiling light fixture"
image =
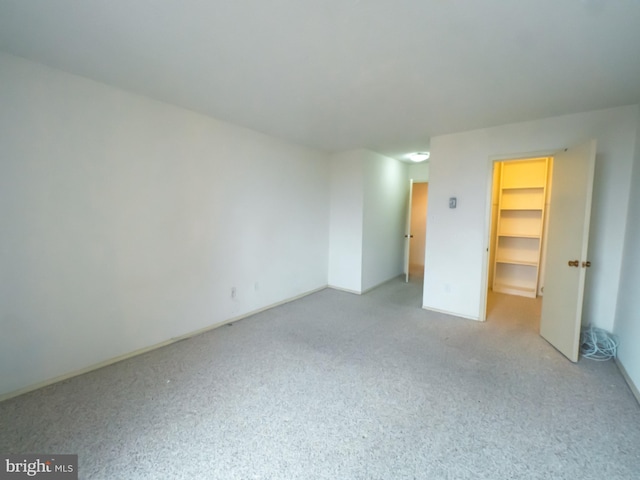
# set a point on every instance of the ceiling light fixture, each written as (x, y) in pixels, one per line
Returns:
(419, 156)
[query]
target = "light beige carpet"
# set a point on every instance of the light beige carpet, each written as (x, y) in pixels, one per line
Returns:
(339, 386)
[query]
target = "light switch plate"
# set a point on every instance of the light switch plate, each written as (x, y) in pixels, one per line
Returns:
(453, 201)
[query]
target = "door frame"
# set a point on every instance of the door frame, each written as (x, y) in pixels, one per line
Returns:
(492, 159)
(407, 233)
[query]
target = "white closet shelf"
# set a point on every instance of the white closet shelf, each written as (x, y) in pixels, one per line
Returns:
(514, 261)
(523, 187)
(518, 235)
(532, 209)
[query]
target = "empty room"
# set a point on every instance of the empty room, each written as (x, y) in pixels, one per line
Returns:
(319, 240)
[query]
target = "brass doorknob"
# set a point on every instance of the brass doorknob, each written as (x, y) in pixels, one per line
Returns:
(586, 264)
(574, 263)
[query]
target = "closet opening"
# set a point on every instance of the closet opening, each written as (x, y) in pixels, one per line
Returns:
(518, 239)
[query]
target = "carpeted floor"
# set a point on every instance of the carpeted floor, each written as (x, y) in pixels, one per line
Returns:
(512, 311)
(339, 386)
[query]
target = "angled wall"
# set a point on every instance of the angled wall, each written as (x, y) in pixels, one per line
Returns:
(386, 191)
(368, 210)
(126, 222)
(346, 217)
(627, 324)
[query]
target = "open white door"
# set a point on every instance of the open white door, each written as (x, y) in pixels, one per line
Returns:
(566, 262)
(407, 236)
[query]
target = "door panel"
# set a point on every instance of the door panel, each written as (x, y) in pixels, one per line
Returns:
(569, 215)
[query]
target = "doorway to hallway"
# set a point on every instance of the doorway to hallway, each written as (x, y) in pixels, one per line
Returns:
(416, 230)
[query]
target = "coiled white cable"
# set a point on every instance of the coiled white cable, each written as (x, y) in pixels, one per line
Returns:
(598, 344)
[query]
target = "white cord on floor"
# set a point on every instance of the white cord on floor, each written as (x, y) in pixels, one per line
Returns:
(598, 344)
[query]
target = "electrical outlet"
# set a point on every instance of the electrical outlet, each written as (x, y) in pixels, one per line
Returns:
(233, 292)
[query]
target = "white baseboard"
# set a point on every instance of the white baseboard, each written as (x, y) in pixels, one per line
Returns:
(348, 290)
(632, 386)
(362, 292)
(140, 351)
(453, 314)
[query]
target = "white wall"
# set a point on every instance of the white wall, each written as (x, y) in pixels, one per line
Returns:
(460, 166)
(386, 193)
(627, 324)
(126, 221)
(346, 221)
(419, 172)
(369, 194)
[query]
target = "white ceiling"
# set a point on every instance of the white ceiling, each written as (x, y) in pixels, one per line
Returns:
(339, 74)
